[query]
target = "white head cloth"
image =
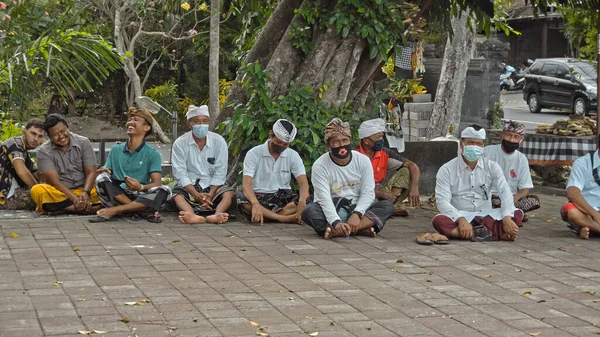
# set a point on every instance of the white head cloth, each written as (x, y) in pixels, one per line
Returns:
(470, 132)
(280, 132)
(371, 127)
(194, 111)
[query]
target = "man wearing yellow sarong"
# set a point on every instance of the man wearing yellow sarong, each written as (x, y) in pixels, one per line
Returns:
(67, 166)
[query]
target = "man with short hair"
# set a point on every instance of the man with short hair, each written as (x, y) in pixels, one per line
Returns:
(67, 165)
(463, 194)
(404, 183)
(515, 167)
(268, 170)
(581, 212)
(344, 189)
(16, 167)
(200, 167)
(131, 179)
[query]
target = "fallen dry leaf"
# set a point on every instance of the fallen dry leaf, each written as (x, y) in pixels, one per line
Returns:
(175, 241)
(589, 292)
(254, 323)
(125, 320)
(313, 334)
(562, 249)
(486, 276)
(596, 301)
(249, 231)
(534, 333)
(145, 300)
(597, 332)
(100, 331)
(262, 328)
(332, 324)
(399, 261)
(195, 319)
(81, 299)
(85, 332)
(548, 220)
(134, 303)
(302, 264)
(518, 270)
(258, 333)
(527, 293)
(75, 249)
(14, 235)
(57, 283)
(578, 245)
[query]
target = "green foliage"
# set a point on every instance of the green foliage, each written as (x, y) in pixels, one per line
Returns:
(165, 95)
(497, 115)
(402, 90)
(251, 122)
(581, 29)
(8, 128)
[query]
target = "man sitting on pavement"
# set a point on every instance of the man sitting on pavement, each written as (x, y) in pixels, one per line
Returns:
(131, 179)
(581, 212)
(515, 166)
(344, 190)
(67, 165)
(405, 182)
(268, 170)
(17, 174)
(200, 167)
(463, 191)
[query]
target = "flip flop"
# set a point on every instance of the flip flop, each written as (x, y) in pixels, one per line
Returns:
(440, 239)
(154, 218)
(425, 239)
(100, 218)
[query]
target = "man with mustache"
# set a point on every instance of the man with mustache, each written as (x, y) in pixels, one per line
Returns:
(17, 173)
(344, 188)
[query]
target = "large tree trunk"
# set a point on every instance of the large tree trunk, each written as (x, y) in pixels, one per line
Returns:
(213, 60)
(451, 87)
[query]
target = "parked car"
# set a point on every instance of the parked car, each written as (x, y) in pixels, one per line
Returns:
(561, 83)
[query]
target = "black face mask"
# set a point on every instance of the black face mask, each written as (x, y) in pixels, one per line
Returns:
(341, 152)
(509, 147)
(278, 149)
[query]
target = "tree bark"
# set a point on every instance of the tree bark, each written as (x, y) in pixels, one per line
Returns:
(213, 59)
(448, 98)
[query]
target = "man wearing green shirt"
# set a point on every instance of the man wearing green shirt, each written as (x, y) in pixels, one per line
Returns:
(130, 181)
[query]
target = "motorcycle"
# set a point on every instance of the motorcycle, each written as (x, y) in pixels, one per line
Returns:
(508, 78)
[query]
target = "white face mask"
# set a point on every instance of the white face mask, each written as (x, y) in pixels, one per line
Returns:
(472, 152)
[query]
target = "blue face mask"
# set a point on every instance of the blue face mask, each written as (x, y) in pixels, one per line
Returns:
(472, 152)
(200, 130)
(378, 145)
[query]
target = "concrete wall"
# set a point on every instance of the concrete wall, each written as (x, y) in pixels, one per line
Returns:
(528, 45)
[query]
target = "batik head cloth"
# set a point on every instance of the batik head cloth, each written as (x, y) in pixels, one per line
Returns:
(512, 126)
(336, 126)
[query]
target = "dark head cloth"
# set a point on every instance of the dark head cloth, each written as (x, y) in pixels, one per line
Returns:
(140, 113)
(336, 126)
(512, 126)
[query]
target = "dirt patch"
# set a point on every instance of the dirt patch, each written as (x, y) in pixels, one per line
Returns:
(95, 129)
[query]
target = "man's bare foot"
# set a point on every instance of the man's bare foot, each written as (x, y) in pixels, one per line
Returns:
(190, 218)
(370, 232)
(327, 234)
(292, 218)
(508, 229)
(584, 233)
(217, 218)
(401, 211)
(107, 212)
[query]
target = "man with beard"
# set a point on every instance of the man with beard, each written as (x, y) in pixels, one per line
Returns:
(463, 194)
(131, 179)
(67, 165)
(344, 188)
(200, 167)
(268, 170)
(404, 183)
(16, 167)
(515, 167)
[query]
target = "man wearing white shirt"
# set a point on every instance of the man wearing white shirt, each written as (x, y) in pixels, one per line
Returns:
(583, 190)
(463, 194)
(515, 166)
(268, 169)
(344, 190)
(200, 167)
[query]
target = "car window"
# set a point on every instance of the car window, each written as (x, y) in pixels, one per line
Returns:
(562, 71)
(549, 69)
(535, 69)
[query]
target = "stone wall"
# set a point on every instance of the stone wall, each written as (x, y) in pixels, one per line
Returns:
(416, 118)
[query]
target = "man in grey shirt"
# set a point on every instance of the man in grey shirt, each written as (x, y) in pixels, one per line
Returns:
(67, 166)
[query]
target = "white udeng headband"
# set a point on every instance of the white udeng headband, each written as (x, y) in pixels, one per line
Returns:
(283, 134)
(471, 133)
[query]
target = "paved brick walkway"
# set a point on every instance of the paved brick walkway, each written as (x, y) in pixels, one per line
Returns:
(62, 275)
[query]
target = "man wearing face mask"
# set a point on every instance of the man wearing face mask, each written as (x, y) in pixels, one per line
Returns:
(463, 193)
(268, 170)
(344, 188)
(200, 167)
(405, 183)
(515, 166)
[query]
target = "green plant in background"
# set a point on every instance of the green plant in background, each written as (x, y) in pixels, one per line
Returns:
(165, 95)
(224, 86)
(251, 122)
(8, 128)
(497, 115)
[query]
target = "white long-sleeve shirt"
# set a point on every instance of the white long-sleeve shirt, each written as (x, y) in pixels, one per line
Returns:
(208, 165)
(462, 192)
(354, 181)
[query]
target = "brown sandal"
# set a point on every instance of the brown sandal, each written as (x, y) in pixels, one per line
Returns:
(425, 239)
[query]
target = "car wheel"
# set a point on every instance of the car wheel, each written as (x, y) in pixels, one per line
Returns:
(533, 102)
(580, 106)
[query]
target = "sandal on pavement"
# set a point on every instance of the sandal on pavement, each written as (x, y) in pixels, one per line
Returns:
(481, 234)
(100, 218)
(440, 239)
(425, 239)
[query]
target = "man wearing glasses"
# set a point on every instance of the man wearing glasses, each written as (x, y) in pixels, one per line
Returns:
(463, 192)
(515, 166)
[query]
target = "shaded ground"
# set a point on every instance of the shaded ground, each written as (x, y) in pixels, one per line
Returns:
(62, 275)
